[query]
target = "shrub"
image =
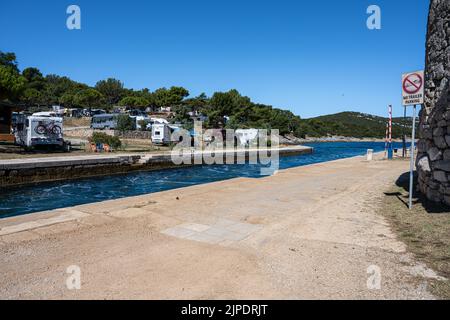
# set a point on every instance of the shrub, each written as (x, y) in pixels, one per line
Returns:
(125, 123)
(100, 137)
(143, 124)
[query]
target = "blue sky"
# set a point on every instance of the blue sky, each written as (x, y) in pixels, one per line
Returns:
(312, 57)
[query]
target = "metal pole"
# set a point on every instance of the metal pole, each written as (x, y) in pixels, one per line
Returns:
(404, 132)
(411, 174)
(390, 150)
(386, 141)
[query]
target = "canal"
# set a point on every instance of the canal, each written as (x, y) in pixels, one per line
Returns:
(54, 195)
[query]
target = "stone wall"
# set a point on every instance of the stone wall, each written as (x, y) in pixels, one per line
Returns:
(86, 133)
(138, 135)
(433, 161)
(83, 133)
(32, 171)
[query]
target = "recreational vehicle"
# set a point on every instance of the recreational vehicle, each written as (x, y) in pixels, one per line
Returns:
(162, 133)
(104, 121)
(39, 129)
(93, 112)
(146, 120)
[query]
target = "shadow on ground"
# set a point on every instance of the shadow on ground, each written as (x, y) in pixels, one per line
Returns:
(418, 198)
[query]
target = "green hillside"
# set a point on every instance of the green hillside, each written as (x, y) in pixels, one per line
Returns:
(354, 124)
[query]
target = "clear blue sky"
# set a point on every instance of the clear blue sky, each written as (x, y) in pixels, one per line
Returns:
(312, 57)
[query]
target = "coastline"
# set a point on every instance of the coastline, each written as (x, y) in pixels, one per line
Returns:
(346, 139)
(298, 217)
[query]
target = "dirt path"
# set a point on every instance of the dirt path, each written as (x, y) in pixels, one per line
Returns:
(305, 233)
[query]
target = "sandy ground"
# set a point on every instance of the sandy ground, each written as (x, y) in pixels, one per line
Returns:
(305, 233)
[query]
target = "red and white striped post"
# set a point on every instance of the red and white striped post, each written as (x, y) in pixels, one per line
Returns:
(390, 150)
(386, 140)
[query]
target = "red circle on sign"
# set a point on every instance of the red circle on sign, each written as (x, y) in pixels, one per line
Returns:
(413, 83)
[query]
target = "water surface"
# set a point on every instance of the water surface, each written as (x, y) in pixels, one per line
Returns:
(54, 195)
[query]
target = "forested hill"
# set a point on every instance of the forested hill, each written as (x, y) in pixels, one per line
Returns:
(354, 124)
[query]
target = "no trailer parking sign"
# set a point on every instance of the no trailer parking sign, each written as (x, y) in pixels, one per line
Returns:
(413, 88)
(413, 84)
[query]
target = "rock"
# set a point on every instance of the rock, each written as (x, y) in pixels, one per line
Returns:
(438, 131)
(434, 154)
(426, 134)
(423, 164)
(440, 176)
(433, 184)
(447, 200)
(434, 195)
(423, 188)
(439, 72)
(447, 139)
(443, 165)
(447, 115)
(440, 142)
(442, 123)
(442, 189)
(446, 155)
(422, 145)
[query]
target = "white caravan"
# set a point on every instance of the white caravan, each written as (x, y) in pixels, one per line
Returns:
(161, 133)
(139, 119)
(39, 130)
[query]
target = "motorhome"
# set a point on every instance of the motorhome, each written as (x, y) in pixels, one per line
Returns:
(162, 133)
(159, 120)
(149, 122)
(40, 129)
(104, 121)
(146, 120)
(93, 112)
(58, 110)
(73, 112)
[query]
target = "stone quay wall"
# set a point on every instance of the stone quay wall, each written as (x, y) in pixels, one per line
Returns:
(30, 172)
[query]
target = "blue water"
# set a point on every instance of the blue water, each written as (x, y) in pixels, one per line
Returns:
(55, 195)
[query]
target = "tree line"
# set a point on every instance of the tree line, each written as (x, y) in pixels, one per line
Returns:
(229, 110)
(222, 110)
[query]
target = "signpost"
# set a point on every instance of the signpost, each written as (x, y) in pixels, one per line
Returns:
(413, 94)
(390, 151)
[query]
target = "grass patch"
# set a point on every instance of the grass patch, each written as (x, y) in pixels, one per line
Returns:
(426, 232)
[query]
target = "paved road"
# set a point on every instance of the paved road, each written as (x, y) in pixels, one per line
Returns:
(305, 233)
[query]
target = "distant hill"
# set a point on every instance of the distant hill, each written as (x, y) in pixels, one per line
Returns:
(354, 124)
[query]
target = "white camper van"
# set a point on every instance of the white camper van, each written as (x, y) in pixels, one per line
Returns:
(161, 133)
(39, 129)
